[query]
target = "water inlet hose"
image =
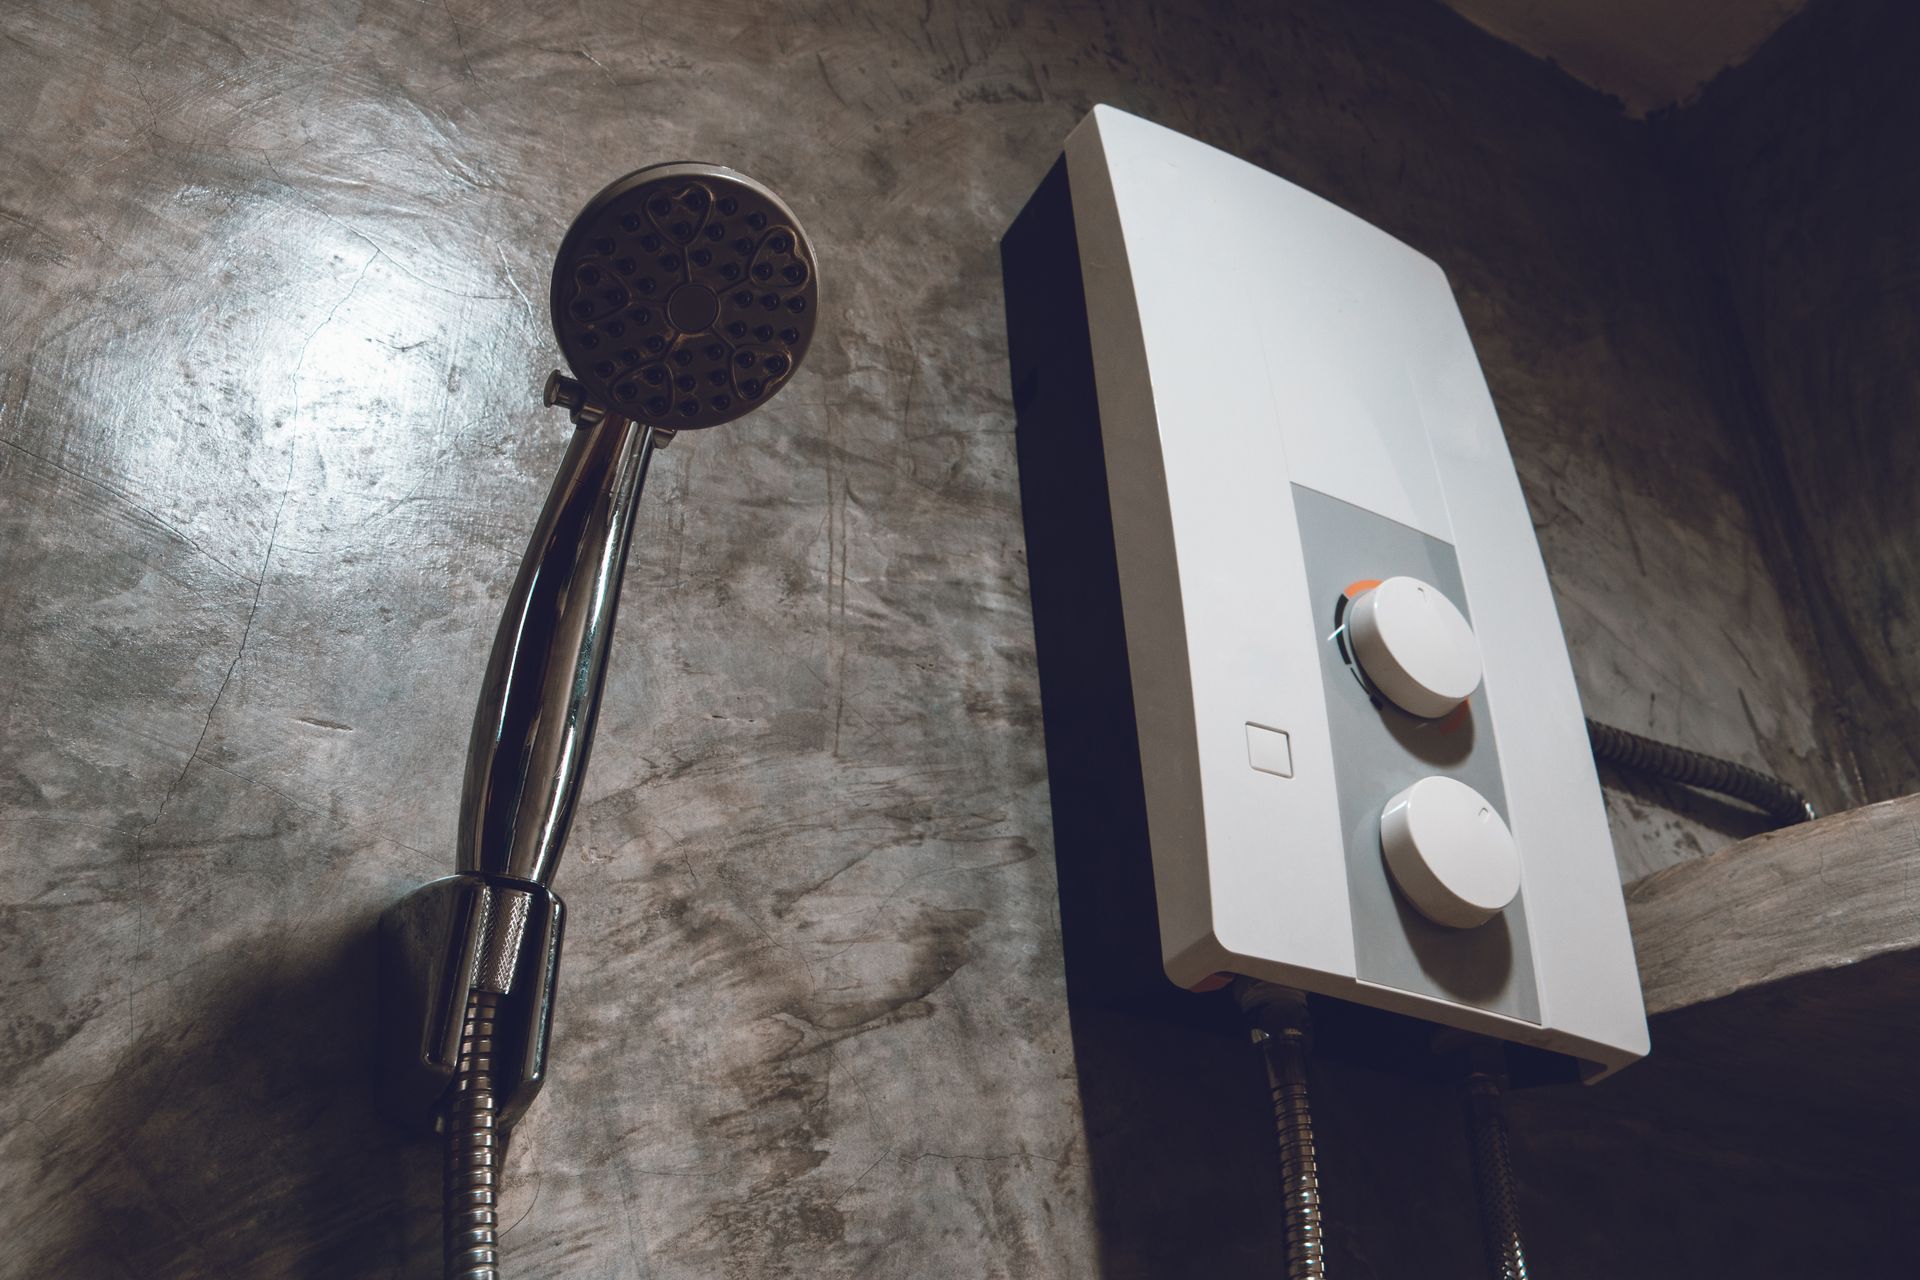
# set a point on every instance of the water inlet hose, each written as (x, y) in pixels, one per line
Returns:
(1493, 1174)
(1771, 796)
(1283, 1032)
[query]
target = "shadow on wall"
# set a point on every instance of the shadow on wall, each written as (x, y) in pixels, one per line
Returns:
(1184, 1174)
(251, 1144)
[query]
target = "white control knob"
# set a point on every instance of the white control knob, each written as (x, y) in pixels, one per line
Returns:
(1449, 852)
(1415, 646)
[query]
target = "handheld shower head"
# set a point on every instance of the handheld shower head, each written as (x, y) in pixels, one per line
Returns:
(683, 296)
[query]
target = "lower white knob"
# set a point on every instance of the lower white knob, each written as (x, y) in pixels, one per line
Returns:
(1450, 852)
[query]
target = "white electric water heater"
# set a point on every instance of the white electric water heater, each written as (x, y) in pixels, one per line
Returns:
(1354, 731)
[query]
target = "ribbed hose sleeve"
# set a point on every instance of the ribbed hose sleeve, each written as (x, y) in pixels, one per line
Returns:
(1286, 1058)
(1493, 1176)
(475, 1147)
(1710, 773)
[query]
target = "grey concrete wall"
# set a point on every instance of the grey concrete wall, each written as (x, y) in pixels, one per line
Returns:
(1799, 172)
(270, 300)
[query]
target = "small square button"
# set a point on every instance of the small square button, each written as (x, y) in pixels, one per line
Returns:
(1269, 750)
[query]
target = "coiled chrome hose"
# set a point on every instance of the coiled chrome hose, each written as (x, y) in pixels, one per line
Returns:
(1284, 1034)
(475, 1147)
(1493, 1174)
(1771, 796)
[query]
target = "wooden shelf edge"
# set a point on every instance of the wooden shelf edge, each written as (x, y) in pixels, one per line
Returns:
(1808, 898)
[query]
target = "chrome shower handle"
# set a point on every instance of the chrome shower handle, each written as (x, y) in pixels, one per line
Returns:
(533, 730)
(684, 296)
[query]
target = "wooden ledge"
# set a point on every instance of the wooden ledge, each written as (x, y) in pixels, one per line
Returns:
(1806, 899)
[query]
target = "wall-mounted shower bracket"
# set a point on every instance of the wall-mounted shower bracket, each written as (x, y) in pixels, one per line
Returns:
(439, 945)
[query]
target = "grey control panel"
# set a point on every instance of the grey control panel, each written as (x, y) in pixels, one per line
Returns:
(1378, 750)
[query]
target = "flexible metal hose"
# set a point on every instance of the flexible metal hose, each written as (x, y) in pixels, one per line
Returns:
(1493, 1176)
(1286, 1058)
(1775, 798)
(475, 1145)
(1283, 1030)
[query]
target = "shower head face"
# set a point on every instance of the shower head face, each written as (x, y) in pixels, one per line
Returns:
(684, 296)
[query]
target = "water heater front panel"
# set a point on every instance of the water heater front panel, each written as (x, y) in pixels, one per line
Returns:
(1364, 762)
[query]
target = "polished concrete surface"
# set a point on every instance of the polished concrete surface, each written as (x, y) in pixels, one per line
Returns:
(1797, 167)
(272, 303)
